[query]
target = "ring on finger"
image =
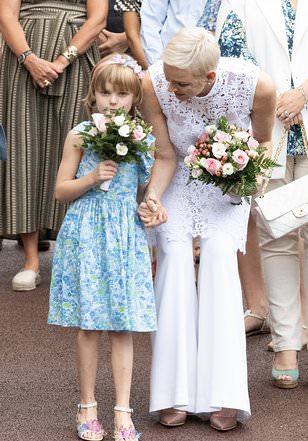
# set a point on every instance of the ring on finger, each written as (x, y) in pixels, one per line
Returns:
(286, 114)
(46, 83)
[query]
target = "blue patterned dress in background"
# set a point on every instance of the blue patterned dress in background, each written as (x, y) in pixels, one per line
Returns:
(101, 277)
(209, 15)
(232, 42)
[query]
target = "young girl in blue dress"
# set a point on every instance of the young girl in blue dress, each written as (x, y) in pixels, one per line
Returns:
(101, 278)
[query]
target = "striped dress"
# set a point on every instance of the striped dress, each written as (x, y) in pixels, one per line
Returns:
(37, 121)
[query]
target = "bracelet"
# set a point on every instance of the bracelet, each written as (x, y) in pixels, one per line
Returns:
(22, 57)
(302, 90)
(70, 53)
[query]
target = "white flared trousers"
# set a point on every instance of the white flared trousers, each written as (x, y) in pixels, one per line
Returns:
(199, 350)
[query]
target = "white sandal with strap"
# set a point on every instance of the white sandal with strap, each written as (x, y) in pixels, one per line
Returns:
(125, 433)
(93, 425)
(264, 327)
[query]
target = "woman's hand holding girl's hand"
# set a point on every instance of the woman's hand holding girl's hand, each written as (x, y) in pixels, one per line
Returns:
(40, 70)
(104, 172)
(151, 212)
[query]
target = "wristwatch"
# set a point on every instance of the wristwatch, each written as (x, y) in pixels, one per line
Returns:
(70, 53)
(22, 57)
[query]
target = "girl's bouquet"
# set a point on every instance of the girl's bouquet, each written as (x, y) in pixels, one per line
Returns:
(117, 136)
(229, 158)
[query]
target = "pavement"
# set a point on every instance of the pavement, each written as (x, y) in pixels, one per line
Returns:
(39, 388)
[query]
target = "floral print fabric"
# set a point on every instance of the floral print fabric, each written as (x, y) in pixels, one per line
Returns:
(209, 15)
(232, 42)
(101, 277)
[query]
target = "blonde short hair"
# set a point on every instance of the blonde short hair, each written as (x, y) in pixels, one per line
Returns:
(121, 77)
(192, 48)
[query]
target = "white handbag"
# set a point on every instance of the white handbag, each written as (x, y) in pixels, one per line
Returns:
(286, 208)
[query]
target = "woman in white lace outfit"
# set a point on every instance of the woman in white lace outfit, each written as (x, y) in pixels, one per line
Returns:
(199, 358)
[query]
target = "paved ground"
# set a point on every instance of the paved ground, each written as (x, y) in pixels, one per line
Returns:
(39, 392)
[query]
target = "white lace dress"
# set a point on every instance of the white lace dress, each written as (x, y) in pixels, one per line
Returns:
(199, 352)
(196, 208)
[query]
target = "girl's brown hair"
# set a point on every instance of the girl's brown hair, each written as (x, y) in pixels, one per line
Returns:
(120, 76)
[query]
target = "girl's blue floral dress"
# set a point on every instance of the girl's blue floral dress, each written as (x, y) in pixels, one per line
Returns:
(101, 277)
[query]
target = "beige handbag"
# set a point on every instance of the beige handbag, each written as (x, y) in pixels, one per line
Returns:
(286, 208)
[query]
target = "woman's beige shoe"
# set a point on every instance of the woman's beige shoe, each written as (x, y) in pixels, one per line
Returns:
(26, 280)
(224, 419)
(262, 326)
(172, 417)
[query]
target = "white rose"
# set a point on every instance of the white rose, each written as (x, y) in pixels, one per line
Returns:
(121, 149)
(187, 161)
(227, 169)
(242, 136)
(124, 130)
(119, 120)
(196, 172)
(203, 162)
(191, 149)
(93, 131)
(210, 129)
(218, 149)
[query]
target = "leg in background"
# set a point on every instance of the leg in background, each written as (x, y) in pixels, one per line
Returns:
(252, 282)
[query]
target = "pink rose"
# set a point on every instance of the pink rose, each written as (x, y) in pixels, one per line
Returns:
(213, 166)
(222, 136)
(99, 121)
(204, 137)
(138, 134)
(240, 158)
(252, 143)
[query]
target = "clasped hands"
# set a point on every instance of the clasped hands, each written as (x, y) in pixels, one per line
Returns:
(44, 73)
(151, 212)
(289, 107)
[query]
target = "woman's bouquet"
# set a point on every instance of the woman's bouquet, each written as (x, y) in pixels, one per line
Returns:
(229, 158)
(117, 136)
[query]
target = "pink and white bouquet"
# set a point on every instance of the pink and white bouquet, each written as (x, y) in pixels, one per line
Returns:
(117, 136)
(229, 158)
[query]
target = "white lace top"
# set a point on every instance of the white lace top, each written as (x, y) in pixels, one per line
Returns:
(199, 209)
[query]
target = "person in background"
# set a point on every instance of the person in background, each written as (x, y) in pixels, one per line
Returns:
(161, 19)
(113, 37)
(284, 34)
(48, 56)
(130, 10)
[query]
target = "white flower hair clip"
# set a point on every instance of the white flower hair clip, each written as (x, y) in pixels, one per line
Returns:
(127, 62)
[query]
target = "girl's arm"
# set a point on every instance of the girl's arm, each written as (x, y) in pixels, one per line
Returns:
(131, 21)
(97, 11)
(68, 187)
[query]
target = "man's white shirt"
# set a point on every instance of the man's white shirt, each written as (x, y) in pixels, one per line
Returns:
(161, 19)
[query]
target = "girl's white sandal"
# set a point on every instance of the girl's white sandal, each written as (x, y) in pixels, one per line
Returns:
(93, 426)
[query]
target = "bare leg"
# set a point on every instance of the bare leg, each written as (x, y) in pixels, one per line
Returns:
(122, 367)
(252, 278)
(30, 242)
(87, 342)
